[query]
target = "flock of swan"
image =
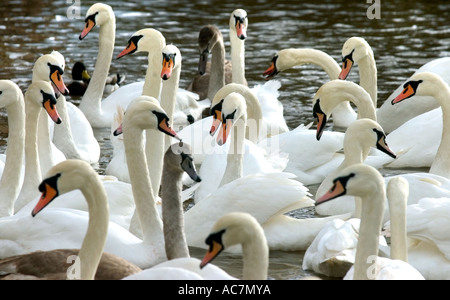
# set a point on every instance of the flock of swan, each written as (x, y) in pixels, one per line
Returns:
(60, 219)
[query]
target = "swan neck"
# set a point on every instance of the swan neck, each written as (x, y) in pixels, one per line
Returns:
(91, 102)
(312, 56)
(94, 241)
(397, 212)
(9, 185)
(173, 213)
(62, 134)
(143, 194)
(255, 255)
(441, 163)
(237, 60)
(368, 76)
(235, 156)
(153, 82)
(369, 232)
(217, 75)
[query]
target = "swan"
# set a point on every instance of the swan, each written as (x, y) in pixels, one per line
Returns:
(240, 228)
(179, 266)
(19, 235)
(366, 182)
(362, 135)
(252, 193)
(212, 75)
(431, 84)
(89, 262)
(80, 143)
(267, 94)
(81, 79)
(12, 98)
(357, 50)
(289, 58)
(187, 107)
(39, 96)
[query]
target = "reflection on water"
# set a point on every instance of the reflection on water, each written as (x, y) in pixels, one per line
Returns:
(407, 35)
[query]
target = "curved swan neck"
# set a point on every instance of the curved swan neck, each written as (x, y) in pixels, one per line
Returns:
(360, 98)
(94, 241)
(217, 75)
(152, 84)
(312, 56)
(368, 76)
(151, 223)
(173, 213)
(255, 254)
(9, 183)
(369, 232)
(441, 163)
(91, 102)
(237, 60)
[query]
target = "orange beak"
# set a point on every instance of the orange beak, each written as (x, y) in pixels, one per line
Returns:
(241, 30)
(212, 253)
(167, 68)
(224, 132)
(271, 71)
(336, 191)
(164, 127)
(346, 67)
(89, 25)
(58, 81)
(383, 146)
(129, 49)
(49, 105)
(47, 196)
(408, 91)
(321, 120)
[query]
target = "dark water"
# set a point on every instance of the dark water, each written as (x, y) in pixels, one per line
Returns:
(407, 35)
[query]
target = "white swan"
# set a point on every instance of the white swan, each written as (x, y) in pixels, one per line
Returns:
(243, 229)
(19, 235)
(39, 96)
(80, 143)
(267, 93)
(252, 193)
(88, 262)
(366, 182)
(356, 50)
(431, 84)
(360, 137)
(187, 108)
(11, 97)
(285, 59)
(180, 265)
(212, 75)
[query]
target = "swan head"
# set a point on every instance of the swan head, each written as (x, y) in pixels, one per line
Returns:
(357, 180)
(171, 60)
(50, 67)
(98, 14)
(332, 93)
(144, 40)
(62, 178)
(208, 36)
(179, 158)
(367, 133)
(282, 60)
(353, 50)
(233, 229)
(234, 108)
(145, 113)
(41, 94)
(10, 92)
(272, 70)
(239, 23)
(421, 84)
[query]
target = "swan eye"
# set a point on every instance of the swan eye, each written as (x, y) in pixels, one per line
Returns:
(90, 18)
(51, 181)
